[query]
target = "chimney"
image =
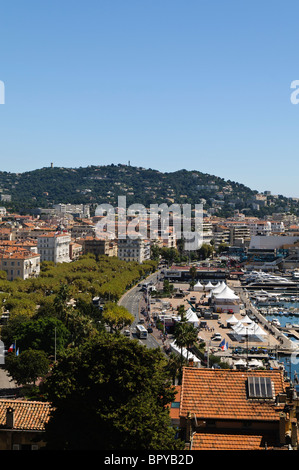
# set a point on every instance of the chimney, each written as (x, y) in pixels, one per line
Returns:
(10, 418)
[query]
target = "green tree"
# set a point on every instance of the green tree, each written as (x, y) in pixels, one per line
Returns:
(116, 317)
(44, 334)
(193, 272)
(27, 367)
(110, 394)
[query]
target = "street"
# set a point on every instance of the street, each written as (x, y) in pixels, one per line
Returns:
(134, 301)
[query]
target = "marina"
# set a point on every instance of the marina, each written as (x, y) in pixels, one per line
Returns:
(247, 327)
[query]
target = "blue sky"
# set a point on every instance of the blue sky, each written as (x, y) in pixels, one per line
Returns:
(200, 85)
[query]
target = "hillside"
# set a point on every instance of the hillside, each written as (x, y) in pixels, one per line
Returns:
(98, 184)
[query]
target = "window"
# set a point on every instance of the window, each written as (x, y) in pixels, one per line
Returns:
(175, 404)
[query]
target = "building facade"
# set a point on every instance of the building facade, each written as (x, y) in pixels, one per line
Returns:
(54, 247)
(20, 264)
(131, 249)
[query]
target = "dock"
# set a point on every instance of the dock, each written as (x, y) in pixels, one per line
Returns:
(286, 345)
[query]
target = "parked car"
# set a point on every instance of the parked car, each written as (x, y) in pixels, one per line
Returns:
(216, 337)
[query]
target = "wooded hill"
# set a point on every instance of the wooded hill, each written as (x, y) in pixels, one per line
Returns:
(103, 184)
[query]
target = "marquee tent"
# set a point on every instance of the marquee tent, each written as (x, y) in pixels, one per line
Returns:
(246, 319)
(192, 317)
(250, 330)
(198, 286)
(225, 294)
(217, 289)
(232, 320)
(209, 285)
(186, 354)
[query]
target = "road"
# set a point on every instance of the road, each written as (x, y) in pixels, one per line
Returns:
(134, 301)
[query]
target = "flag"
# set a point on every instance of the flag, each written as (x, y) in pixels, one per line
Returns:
(223, 345)
(11, 348)
(17, 352)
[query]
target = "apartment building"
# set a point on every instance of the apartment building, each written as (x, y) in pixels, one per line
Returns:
(54, 247)
(98, 246)
(260, 227)
(75, 250)
(19, 263)
(130, 249)
(221, 235)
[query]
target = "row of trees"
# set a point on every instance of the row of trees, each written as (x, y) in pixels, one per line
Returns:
(179, 255)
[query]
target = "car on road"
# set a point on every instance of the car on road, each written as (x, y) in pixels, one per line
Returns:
(150, 330)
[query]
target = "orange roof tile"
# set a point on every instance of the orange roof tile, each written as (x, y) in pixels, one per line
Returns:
(29, 415)
(215, 394)
(224, 441)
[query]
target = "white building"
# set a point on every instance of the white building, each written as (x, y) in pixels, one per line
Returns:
(133, 249)
(260, 227)
(54, 246)
(20, 264)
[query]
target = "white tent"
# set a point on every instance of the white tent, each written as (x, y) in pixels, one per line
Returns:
(250, 330)
(198, 286)
(209, 285)
(255, 329)
(246, 319)
(232, 320)
(217, 289)
(192, 317)
(239, 328)
(186, 354)
(255, 363)
(240, 362)
(225, 294)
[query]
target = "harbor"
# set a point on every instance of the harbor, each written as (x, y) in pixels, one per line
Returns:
(231, 321)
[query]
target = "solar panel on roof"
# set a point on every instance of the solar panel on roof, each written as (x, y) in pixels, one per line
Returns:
(260, 387)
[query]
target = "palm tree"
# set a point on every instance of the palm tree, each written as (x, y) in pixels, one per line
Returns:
(185, 335)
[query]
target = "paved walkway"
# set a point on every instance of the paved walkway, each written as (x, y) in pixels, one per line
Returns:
(7, 386)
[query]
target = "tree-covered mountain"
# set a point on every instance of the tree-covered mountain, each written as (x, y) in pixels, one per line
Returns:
(103, 184)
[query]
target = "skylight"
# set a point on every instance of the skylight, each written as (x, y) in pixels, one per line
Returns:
(260, 387)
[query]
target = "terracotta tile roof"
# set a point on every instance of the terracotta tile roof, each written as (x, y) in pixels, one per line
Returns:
(224, 441)
(222, 393)
(54, 235)
(17, 253)
(28, 415)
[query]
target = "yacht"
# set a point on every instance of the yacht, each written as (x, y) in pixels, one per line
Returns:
(263, 279)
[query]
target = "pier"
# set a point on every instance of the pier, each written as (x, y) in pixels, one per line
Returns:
(286, 345)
